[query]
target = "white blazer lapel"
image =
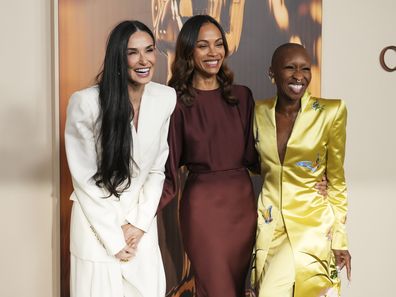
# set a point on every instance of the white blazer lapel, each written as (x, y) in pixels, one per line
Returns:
(135, 147)
(142, 138)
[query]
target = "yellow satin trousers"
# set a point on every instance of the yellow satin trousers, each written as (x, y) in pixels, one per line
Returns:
(279, 271)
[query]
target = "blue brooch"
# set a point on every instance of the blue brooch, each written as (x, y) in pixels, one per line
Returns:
(313, 166)
(317, 106)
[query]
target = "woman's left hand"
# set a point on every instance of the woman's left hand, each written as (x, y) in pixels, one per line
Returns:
(343, 258)
(132, 235)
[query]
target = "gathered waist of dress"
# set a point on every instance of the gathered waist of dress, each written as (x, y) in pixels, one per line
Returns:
(220, 171)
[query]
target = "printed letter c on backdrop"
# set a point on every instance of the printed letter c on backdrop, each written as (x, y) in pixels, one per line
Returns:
(382, 58)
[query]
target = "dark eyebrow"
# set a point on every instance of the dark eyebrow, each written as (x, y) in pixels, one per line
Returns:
(203, 40)
(134, 48)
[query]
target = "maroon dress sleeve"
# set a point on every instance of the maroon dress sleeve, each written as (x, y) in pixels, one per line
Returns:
(174, 162)
(251, 159)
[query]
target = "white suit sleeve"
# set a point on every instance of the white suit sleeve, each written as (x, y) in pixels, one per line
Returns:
(151, 191)
(82, 161)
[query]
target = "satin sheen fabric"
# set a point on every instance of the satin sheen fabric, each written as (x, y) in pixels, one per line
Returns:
(217, 210)
(279, 277)
(314, 224)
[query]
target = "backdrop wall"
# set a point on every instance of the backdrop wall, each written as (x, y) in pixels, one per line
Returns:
(354, 33)
(29, 236)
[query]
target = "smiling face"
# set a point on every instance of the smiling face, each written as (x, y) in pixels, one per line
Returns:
(141, 57)
(291, 69)
(209, 51)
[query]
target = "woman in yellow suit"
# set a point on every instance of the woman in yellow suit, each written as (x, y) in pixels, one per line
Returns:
(301, 240)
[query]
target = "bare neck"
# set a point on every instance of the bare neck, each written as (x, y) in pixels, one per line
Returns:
(135, 93)
(287, 106)
(205, 83)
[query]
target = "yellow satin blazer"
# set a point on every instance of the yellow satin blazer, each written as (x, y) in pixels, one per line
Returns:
(314, 224)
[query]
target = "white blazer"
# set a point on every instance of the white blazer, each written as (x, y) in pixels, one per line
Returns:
(95, 231)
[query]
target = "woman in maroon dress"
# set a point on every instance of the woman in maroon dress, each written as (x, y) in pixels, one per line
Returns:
(211, 134)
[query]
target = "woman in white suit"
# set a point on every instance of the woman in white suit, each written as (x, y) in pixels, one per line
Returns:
(116, 146)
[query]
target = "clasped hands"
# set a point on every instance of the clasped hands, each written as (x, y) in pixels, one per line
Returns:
(132, 237)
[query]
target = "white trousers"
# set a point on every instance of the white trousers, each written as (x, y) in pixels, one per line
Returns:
(114, 279)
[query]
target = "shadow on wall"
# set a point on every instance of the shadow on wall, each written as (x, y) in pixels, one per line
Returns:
(24, 154)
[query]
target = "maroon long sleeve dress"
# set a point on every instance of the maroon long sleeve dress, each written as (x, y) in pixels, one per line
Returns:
(217, 210)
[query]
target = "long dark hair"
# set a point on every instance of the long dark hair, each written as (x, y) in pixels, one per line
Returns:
(183, 65)
(116, 111)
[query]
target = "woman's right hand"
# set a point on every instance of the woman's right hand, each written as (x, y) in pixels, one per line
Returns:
(343, 258)
(126, 254)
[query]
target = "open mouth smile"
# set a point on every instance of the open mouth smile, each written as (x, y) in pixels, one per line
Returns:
(142, 72)
(296, 87)
(212, 63)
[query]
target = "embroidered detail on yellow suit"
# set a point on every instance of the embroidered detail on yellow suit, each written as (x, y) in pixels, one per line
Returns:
(313, 166)
(317, 106)
(267, 214)
(330, 273)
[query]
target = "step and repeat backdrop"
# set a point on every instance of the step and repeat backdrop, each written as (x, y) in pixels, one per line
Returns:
(254, 28)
